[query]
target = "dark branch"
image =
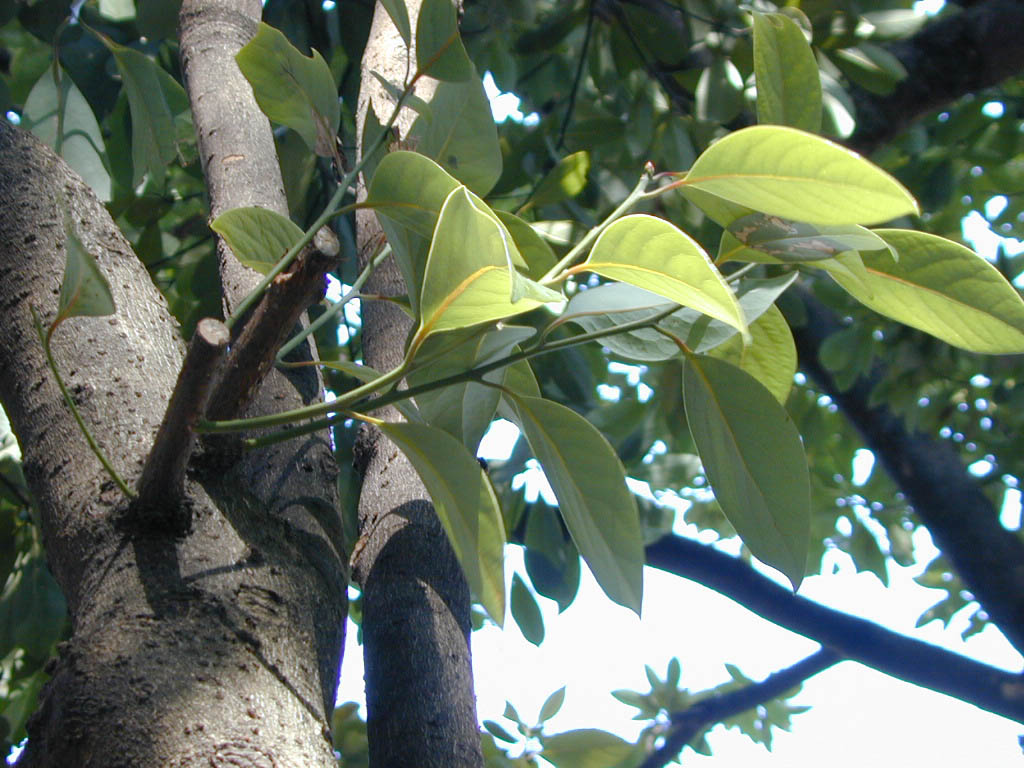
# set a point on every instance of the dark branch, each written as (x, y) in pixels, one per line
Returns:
(254, 351)
(854, 638)
(961, 519)
(162, 481)
(686, 725)
(962, 53)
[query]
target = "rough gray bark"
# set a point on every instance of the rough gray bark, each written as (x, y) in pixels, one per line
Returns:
(421, 710)
(219, 647)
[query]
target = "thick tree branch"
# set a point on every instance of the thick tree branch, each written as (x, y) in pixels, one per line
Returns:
(961, 519)
(686, 725)
(854, 638)
(962, 53)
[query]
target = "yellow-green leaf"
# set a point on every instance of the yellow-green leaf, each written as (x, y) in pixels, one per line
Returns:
(257, 237)
(770, 357)
(796, 175)
(788, 86)
(84, 291)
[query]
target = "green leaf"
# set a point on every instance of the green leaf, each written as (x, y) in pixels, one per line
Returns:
(292, 89)
(586, 748)
(552, 560)
(537, 254)
(526, 612)
(565, 180)
(941, 288)
(463, 410)
(719, 210)
(439, 49)
(651, 253)
(32, 609)
(614, 304)
(366, 374)
(760, 237)
(770, 357)
(590, 485)
(400, 16)
(498, 731)
(465, 504)
(410, 189)
(796, 175)
(257, 237)
(552, 705)
(788, 86)
(754, 460)
(468, 278)
(719, 94)
(459, 132)
(81, 142)
(870, 66)
(117, 10)
(153, 129)
(84, 291)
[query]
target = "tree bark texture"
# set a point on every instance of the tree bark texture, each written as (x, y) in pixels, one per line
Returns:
(219, 647)
(421, 710)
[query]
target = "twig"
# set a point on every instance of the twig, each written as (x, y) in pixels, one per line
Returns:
(687, 724)
(161, 485)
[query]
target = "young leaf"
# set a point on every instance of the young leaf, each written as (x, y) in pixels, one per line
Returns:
(459, 132)
(257, 237)
(941, 288)
(468, 278)
(526, 611)
(785, 172)
(292, 89)
(466, 505)
(759, 235)
(788, 86)
(651, 253)
(586, 748)
(400, 17)
(754, 460)
(551, 705)
(84, 291)
(153, 130)
(81, 142)
(590, 485)
(770, 357)
(439, 49)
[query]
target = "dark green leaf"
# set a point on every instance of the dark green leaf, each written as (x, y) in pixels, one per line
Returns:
(400, 16)
(439, 49)
(526, 612)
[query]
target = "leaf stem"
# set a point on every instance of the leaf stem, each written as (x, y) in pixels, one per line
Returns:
(93, 445)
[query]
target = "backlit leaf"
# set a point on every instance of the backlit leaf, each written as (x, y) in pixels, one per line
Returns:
(258, 237)
(292, 89)
(941, 288)
(770, 357)
(754, 460)
(564, 181)
(653, 254)
(465, 504)
(761, 237)
(586, 748)
(410, 189)
(526, 611)
(552, 704)
(785, 172)
(589, 483)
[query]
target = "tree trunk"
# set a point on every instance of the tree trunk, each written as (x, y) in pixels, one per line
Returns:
(421, 710)
(218, 647)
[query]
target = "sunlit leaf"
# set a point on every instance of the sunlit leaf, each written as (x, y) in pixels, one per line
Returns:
(459, 132)
(468, 278)
(525, 611)
(292, 89)
(439, 49)
(410, 189)
(941, 288)
(84, 291)
(770, 357)
(537, 255)
(81, 142)
(754, 460)
(651, 253)
(465, 504)
(788, 86)
(258, 237)
(796, 175)
(589, 483)
(564, 181)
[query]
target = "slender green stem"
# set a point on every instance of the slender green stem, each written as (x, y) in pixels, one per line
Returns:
(93, 445)
(554, 274)
(334, 310)
(732, 277)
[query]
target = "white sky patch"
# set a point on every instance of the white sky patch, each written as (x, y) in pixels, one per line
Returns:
(1010, 514)
(505, 106)
(863, 463)
(929, 7)
(498, 441)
